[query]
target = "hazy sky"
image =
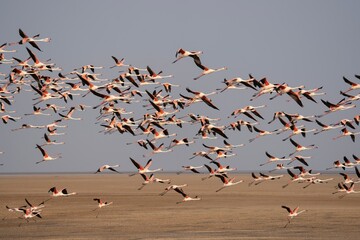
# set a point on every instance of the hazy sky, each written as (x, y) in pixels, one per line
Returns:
(311, 43)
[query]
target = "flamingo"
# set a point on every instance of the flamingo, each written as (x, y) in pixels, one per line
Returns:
(35, 207)
(144, 169)
(49, 142)
(203, 96)
(337, 164)
(280, 166)
(31, 40)
(227, 182)
(261, 133)
(315, 180)
(292, 213)
(345, 133)
(69, 116)
(206, 70)
(46, 157)
(151, 179)
(304, 172)
(340, 106)
(158, 149)
(273, 159)
(37, 111)
(15, 209)
(172, 187)
(183, 141)
(101, 204)
(89, 66)
(62, 193)
(283, 88)
(191, 168)
(353, 85)
(300, 159)
(182, 53)
(294, 178)
(2, 49)
(349, 190)
(186, 198)
(153, 76)
(212, 173)
(30, 214)
(6, 118)
(119, 63)
(340, 188)
(202, 154)
(109, 167)
(223, 169)
(324, 127)
(300, 147)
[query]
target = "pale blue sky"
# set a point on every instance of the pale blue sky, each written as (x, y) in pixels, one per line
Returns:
(311, 43)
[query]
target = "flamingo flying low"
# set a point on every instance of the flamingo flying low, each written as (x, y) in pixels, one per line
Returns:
(292, 213)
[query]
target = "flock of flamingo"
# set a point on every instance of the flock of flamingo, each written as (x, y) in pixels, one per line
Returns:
(162, 121)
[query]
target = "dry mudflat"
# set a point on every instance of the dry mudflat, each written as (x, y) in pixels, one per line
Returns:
(238, 212)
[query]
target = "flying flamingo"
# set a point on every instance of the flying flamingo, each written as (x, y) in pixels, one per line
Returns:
(345, 133)
(172, 187)
(119, 63)
(30, 214)
(49, 142)
(101, 204)
(212, 173)
(273, 159)
(31, 40)
(182, 53)
(349, 190)
(62, 193)
(186, 198)
(294, 178)
(314, 180)
(262, 133)
(145, 169)
(324, 127)
(46, 156)
(353, 85)
(191, 168)
(227, 182)
(111, 168)
(300, 147)
(206, 70)
(292, 213)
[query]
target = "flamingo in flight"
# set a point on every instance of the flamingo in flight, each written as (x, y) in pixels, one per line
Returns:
(346, 133)
(292, 213)
(31, 40)
(206, 70)
(46, 156)
(273, 159)
(119, 63)
(353, 85)
(191, 168)
(109, 167)
(101, 204)
(144, 169)
(314, 180)
(227, 182)
(186, 198)
(182, 53)
(349, 190)
(300, 147)
(62, 193)
(49, 142)
(172, 187)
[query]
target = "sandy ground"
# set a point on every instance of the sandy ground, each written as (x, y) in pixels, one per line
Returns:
(238, 212)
